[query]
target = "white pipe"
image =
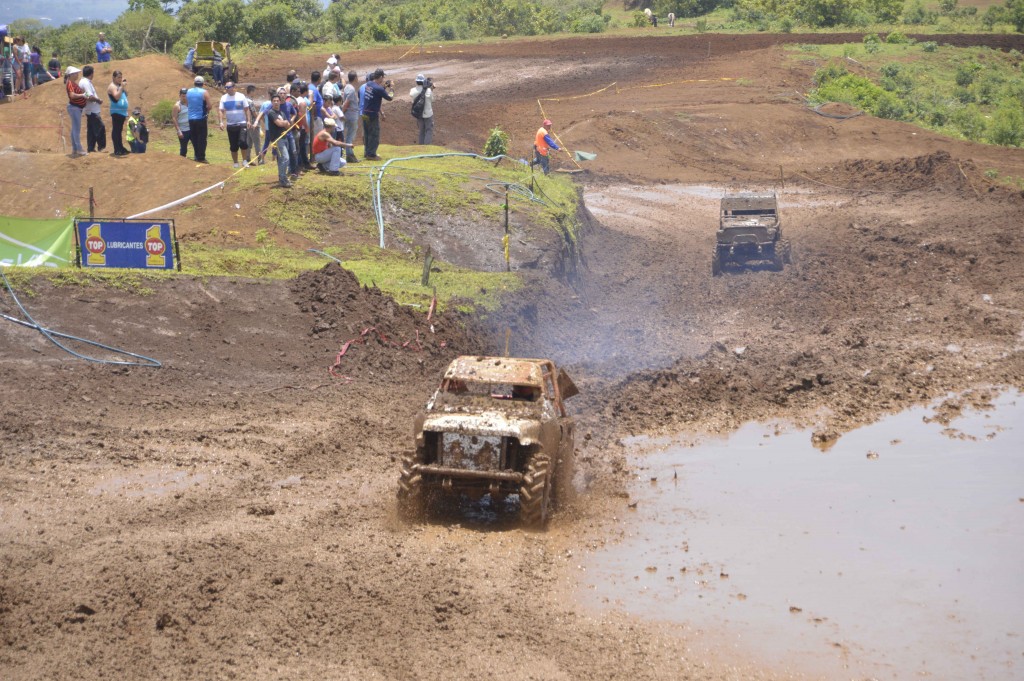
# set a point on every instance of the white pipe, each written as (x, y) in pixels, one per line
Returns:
(174, 203)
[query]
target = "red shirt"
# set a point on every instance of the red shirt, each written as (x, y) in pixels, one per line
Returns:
(76, 95)
(319, 144)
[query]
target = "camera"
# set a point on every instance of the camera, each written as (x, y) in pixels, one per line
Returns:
(387, 83)
(428, 83)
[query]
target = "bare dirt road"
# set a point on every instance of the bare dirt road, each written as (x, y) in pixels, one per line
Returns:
(231, 515)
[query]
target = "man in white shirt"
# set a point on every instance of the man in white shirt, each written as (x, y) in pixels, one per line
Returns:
(95, 131)
(234, 112)
(425, 121)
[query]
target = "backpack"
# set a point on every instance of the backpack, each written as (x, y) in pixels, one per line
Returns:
(419, 104)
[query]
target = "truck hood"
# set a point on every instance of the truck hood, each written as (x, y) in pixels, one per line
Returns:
(527, 431)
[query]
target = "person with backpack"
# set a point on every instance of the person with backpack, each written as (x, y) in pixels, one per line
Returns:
(138, 133)
(423, 108)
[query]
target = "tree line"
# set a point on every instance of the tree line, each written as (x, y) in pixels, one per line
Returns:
(173, 26)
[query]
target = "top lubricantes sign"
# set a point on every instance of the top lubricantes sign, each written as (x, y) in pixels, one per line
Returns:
(138, 244)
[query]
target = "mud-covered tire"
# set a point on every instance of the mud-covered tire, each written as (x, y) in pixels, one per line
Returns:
(412, 498)
(777, 258)
(562, 494)
(787, 251)
(535, 492)
(716, 263)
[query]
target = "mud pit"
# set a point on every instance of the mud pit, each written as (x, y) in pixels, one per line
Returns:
(231, 515)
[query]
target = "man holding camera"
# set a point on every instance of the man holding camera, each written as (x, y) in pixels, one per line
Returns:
(423, 108)
(377, 90)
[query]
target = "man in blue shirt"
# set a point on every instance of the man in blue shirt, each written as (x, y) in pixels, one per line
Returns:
(104, 51)
(198, 109)
(377, 90)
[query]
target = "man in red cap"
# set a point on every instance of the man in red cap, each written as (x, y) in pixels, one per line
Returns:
(542, 144)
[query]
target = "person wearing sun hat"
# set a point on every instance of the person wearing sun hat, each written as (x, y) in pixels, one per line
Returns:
(76, 105)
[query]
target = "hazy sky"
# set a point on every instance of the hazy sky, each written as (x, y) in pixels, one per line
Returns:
(64, 11)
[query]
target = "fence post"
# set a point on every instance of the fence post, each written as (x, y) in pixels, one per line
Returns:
(428, 260)
(92, 205)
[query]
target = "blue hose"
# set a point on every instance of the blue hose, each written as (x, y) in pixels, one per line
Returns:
(52, 336)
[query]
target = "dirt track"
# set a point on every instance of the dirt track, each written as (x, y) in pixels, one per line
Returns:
(231, 514)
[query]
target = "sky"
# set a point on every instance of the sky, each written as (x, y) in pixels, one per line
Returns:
(57, 12)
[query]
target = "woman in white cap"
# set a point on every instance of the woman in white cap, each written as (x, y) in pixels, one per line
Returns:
(76, 105)
(327, 150)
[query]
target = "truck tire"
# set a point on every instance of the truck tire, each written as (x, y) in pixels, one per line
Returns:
(411, 495)
(787, 252)
(777, 258)
(716, 263)
(535, 492)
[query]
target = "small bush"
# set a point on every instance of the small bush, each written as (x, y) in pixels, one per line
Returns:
(1007, 127)
(786, 25)
(896, 38)
(969, 122)
(161, 112)
(702, 26)
(497, 143)
(929, 46)
(872, 43)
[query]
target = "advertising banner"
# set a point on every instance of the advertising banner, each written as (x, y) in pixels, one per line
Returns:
(140, 244)
(36, 243)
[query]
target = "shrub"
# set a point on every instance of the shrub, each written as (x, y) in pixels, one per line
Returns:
(917, 15)
(1007, 126)
(786, 25)
(965, 73)
(497, 143)
(896, 38)
(872, 42)
(829, 73)
(929, 46)
(702, 26)
(161, 112)
(969, 122)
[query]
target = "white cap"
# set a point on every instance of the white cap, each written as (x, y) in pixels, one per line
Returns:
(420, 78)
(71, 70)
(332, 61)
(199, 80)
(330, 123)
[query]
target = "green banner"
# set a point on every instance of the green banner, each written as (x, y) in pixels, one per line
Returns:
(36, 243)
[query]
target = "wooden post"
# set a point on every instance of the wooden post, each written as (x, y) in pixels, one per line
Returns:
(508, 338)
(508, 259)
(428, 260)
(92, 205)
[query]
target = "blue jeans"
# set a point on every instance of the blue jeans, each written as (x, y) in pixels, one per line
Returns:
(282, 161)
(293, 153)
(26, 70)
(218, 74)
(351, 127)
(75, 114)
(330, 157)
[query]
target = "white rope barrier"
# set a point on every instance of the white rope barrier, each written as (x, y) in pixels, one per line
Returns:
(172, 204)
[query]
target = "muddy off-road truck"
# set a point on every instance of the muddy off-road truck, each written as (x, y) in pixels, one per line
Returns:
(749, 230)
(498, 426)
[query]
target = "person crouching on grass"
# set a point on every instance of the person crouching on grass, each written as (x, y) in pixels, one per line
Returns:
(327, 149)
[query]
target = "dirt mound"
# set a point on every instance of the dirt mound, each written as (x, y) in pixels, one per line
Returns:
(934, 171)
(378, 338)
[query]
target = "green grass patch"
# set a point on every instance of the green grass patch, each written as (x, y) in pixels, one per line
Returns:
(399, 275)
(967, 93)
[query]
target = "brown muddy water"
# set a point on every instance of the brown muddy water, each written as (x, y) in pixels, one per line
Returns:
(898, 553)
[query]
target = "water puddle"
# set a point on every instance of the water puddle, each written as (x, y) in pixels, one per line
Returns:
(897, 553)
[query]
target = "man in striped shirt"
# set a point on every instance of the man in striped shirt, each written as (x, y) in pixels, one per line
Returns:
(234, 112)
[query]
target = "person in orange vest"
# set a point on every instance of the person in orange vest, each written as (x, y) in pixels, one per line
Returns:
(542, 144)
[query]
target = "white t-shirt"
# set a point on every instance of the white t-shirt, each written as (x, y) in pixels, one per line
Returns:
(90, 91)
(234, 108)
(428, 106)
